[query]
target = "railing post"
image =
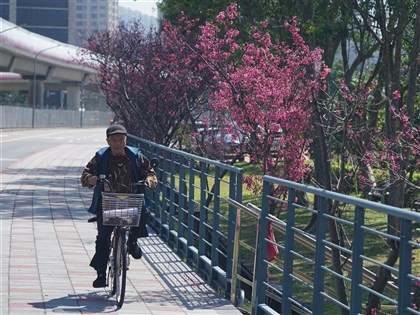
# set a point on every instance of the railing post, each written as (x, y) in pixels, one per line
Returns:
(203, 211)
(261, 267)
(235, 256)
(171, 215)
(286, 305)
(191, 220)
(319, 277)
(216, 213)
(255, 271)
(231, 232)
(181, 207)
(357, 261)
(157, 202)
(404, 289)
(164, 215)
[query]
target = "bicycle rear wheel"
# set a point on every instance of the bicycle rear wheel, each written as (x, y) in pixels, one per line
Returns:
(120, 267)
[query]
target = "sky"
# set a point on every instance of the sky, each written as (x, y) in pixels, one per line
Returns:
(144, 6)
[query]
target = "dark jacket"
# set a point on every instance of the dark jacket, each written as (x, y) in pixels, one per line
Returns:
(102, 158)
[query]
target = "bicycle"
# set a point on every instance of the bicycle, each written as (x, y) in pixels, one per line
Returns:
(121, 211)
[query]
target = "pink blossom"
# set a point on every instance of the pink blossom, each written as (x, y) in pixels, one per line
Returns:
(220, 17)
(396, 95)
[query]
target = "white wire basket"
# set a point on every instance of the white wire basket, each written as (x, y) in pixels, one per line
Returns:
(121, 209)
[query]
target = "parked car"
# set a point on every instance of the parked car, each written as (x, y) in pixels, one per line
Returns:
(212, 141)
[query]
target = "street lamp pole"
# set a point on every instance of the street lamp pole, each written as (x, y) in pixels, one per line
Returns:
(81, 105)
(34, 82)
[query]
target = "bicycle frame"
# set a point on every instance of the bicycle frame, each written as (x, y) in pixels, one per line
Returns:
(118, 263)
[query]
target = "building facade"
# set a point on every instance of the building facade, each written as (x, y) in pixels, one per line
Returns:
(68, 21)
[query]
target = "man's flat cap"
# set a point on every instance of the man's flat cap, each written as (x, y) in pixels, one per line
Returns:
(115, 129)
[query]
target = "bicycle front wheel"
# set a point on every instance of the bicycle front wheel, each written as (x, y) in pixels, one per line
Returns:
(120, 268)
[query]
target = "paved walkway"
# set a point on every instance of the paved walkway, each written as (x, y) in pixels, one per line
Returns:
(46, 246)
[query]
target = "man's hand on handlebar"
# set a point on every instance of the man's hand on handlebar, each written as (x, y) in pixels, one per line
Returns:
(150, 182)
(93, 181)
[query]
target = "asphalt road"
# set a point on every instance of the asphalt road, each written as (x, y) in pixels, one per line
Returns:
(18, 144)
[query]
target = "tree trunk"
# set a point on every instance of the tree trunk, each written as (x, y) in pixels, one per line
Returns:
(414, 66)
(337, 266)
(322, 160)
(383, 277)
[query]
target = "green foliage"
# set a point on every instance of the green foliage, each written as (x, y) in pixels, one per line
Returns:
(204, 10)
(251, 12)
(14, 98)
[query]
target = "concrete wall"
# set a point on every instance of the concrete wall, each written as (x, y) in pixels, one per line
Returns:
(22, 117)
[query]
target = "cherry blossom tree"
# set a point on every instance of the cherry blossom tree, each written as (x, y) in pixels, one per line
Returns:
(154, 88)
(263, 94)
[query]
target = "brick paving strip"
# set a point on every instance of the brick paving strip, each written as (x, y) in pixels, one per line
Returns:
(47, 243)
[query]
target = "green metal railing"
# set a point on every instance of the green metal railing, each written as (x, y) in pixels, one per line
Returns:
(198, 210)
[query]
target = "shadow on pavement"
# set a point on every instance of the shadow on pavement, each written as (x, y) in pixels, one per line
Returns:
(87, 303)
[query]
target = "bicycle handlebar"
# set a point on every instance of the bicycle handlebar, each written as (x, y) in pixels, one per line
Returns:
(153, 164)
(102, 179)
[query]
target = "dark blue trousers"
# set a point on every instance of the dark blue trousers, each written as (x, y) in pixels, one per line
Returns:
(103, 240)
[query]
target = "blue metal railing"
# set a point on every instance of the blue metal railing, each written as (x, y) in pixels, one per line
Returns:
(191, 212)
(198, 210)
(308, 276)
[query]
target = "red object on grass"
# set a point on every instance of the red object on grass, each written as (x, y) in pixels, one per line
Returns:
(272, 249)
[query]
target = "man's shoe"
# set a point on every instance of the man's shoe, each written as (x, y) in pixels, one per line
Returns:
(100, 281)
(134, 250)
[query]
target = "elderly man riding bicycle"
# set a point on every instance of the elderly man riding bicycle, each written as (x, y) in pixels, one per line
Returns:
(123, 166)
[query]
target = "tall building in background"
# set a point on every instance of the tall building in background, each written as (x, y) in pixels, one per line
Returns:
(68, 21)
(91, 16)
